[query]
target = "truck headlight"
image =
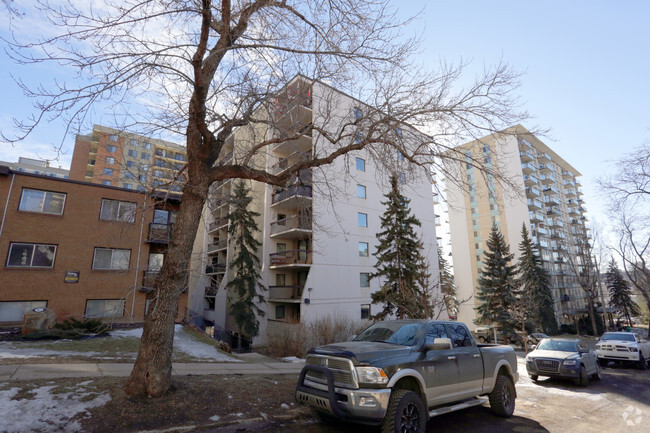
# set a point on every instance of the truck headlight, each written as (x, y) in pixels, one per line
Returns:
(569, 362)
(372, 375)
(597, 346)
(633, 349)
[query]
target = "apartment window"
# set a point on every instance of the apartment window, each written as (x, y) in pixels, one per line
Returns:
(358, 137)
(130, 164)
(161, 152)
(492, 207)
(96, 308)
(140, 188)
(400, 157)
(128, 185)
(108, 172)
(112, 259)
(24, 255)
(476, 234)
(477, 246)
(281, 280)
(401, 177)
(115, 210)
(361, 191)
(361, 164)
(142, 178)
(474, 211)
(280, 312)
(112, 137)
(487, 159)
(398, 130)
(133, 142)
(110, 160)
(158, 173)
(364, 279)
(33, 200)
(365, 311)
(363, 249)
(129, 175)
(144, 155)
(111, 148)
(133, 154)
(14, 311)
(106, 182)
(146, 145)
(179, 157)
(155, 262)
(475, 222)
(358, 113)
(280, 248)
(362, 219)
(486, 149)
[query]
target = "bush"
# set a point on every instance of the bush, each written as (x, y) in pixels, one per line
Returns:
(85, 326)
(567, 329)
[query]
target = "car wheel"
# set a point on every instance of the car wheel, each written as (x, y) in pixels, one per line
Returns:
(642, 362)
(596, 375)
(533, 377)
(406, 413)
(584, 379)
(502, 397)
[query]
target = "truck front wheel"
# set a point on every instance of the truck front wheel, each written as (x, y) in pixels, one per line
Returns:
(502, 397)
(406, 413)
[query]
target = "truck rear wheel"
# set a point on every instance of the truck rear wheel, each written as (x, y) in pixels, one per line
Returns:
(502, 397)
(406, 413)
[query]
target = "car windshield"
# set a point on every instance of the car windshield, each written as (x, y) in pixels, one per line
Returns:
(391, 332)
(562, 346)
(620, 337)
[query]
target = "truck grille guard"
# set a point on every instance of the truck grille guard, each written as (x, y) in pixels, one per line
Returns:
(330, 394)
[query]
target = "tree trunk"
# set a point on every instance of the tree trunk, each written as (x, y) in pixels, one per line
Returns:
(592, 317)
(151, 373)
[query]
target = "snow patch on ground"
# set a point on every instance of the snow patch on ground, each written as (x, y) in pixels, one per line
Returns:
(45, 412)
(184, 342)
(292, 359)
(9, 350)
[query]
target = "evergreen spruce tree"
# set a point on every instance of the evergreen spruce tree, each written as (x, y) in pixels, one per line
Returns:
(245, 289)
(496, 284)
(534, 283)
(620, 292)
(400, 262)
(447, 285)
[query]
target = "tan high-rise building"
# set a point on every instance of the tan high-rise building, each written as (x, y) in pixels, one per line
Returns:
(118, 158)
(547, 199)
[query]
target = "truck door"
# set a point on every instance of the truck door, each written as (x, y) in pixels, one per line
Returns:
(470, 363)
(439, 369)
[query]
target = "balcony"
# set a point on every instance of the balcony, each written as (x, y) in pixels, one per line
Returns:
(550, 190)
(547, 179)
(159, 233)
(149, 280)
(290, 259)
(543, 157)
(530, 180)
(217, 224)
(299, 142)
(290, 160)
(551, 200)
(545, 168)
(291, 294)
(226, 159)
(532, 191)
(294, 112)
(528, 168)
(217, 246)
(554, 223)
(294, 197)
(565, 298)
(570, 192)
(295, 227)
(566, 174)
(526, 156)
(552, 211)
(536, 217)
(215, 269)
(535, 204)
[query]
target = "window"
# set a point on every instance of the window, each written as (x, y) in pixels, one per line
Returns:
(110, 160)
(133, 142)
(365, 311)
(31, 255)
(459, 335)
(401, 177)
(146, 145)
(474, 211)
(159, 163)
(112, 137)
(129, 175)
(361, 164)
(363, 249)
(361, 191)
(140, 188)
(144, 155)
(358, 113)
(476, 234)
(128, 185)
(435, 331)
(130, 164)
(363, 219)
(358, 138)
(133, 154)
(115, 210)
(13, 311)
(281, 280)
(104, 308)
(111, 148)
(155, 262)
(179, 157)
(364, 279)
(280, 312)
(142, 178)
(106, 182)
(398, 130)
(158, 173)
(33, 200)
(400, 157)
(108, 172)
(111, 259)
(281, 248)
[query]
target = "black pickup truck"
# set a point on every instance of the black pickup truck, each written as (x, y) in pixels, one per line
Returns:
(399, 373)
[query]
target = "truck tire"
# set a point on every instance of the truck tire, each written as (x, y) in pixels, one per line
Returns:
(642, 362)
(406, 413)
(502, 397)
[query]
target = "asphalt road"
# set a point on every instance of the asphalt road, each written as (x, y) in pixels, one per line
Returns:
(620, 402)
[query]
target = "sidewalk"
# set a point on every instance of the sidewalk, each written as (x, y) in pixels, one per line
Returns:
(250, 364)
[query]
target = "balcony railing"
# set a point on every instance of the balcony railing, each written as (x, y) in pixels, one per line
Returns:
(159, 233)
(220, 222)
(286, 292)
(215, 268)
(216, 246)
(291, 257)
(297, 222)
(292, 159)
(292, 191)
(149, 280)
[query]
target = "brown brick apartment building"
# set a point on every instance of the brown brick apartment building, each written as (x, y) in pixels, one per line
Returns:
(81, 249)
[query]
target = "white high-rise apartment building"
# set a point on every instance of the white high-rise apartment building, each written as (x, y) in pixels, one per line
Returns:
(318, 233)
(547, 199)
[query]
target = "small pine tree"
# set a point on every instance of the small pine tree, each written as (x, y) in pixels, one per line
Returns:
(534, 283)
(245, 289)
(447, 285)
(400, 263)
(620, 292)
(496, 284)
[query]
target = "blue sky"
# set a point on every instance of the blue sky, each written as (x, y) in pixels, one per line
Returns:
(586, 65)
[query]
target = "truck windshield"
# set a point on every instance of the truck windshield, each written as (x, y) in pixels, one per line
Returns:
(619, 337)
(391, 332)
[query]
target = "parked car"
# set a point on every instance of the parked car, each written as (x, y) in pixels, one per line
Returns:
(485, 334)
(623, 347)
(535, 338)
(567, 359)
(400, 373)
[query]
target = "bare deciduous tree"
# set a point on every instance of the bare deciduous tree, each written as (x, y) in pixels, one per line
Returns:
(631, 183)
(204, 69)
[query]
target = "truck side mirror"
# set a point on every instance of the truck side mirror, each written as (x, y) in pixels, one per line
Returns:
(439, 344)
